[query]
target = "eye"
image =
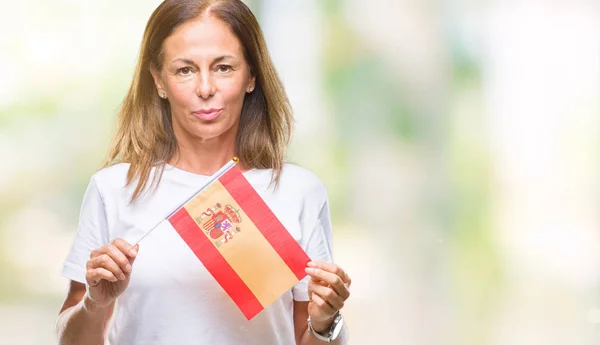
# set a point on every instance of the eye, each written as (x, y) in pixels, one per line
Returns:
(223, 68)
(184, 71)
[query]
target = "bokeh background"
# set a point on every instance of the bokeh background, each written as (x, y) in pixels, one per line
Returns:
(458, 139)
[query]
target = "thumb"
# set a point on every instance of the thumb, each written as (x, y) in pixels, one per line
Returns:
(131, 256)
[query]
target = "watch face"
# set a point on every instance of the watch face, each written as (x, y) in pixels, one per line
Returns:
(337, 329)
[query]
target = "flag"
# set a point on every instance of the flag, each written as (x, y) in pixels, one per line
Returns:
(240, 241)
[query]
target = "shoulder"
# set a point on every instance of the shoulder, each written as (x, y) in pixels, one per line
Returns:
(295, 178)
(111, 177)
(297, 174)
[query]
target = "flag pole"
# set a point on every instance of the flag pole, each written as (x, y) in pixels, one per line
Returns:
(212, 179)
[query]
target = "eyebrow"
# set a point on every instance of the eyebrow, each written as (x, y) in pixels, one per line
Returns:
(190, 62)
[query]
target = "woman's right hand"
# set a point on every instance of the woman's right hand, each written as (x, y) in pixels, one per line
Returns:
(108, 272)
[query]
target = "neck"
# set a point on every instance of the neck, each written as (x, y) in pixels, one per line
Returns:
(201, 156)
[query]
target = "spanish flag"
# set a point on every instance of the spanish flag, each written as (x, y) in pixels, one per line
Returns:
(240, 241)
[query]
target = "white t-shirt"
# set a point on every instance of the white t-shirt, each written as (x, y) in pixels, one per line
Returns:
(171, 298)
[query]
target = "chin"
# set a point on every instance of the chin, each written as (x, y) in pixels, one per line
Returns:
(212, 133)
(204, 135)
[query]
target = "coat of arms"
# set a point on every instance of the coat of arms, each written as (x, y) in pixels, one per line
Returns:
(220, 223)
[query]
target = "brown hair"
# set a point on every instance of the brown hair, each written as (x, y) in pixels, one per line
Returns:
(145, 136)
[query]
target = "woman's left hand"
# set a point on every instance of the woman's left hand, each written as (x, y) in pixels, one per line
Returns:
(328, 289)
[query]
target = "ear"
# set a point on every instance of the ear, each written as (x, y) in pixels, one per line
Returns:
(251, 84)
(157, 81)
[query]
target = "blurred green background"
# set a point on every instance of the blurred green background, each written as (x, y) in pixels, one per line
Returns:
(458, 140)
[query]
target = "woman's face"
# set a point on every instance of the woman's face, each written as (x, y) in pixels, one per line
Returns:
(205, 78)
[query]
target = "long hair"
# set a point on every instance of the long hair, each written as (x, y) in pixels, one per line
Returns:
(145, 136)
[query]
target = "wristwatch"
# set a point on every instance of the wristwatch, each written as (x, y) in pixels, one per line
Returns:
(333, 332)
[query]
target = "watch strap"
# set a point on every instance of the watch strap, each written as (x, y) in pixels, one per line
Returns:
(332, 333)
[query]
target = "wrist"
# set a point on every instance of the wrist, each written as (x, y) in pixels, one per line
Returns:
(323, 326)
(91, 306)
(327, 330)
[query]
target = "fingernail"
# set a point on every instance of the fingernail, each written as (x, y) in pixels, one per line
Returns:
(133, 252)
(122, 276)
(128, 268)
(312, 264)
(309, 270)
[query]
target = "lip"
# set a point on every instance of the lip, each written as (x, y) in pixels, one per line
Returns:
(207, 114)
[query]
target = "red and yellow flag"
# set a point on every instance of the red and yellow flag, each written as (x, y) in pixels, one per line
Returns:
(241, 242)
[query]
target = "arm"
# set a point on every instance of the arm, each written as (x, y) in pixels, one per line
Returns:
(328, 285)
(80, 321)
(328, 290)
(304, 336)
(84, 316)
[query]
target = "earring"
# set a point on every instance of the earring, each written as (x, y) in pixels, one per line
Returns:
(162, 94)
(251, 89)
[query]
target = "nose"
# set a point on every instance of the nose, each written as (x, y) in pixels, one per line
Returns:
(206, 86)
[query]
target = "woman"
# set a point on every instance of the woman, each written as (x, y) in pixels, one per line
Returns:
(204, 90)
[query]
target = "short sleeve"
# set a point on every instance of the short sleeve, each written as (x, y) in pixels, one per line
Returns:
(91, 234)
(318, 246)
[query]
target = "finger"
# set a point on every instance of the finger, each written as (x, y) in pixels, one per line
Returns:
(324, 307)
(328, 295)
(95, 275)
(346, 279)
(106, 262)
(316, 274)
(127, 248)
(118, 257)
(136, 249)
(330, 279)
(333, 268)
